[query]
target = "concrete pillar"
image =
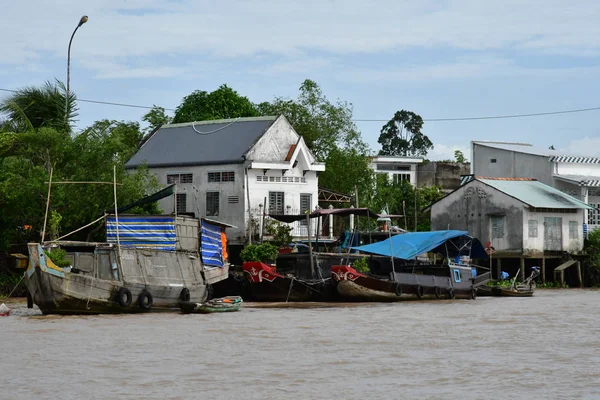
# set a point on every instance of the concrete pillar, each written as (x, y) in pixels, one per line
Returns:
(522, 270)
(543, 269)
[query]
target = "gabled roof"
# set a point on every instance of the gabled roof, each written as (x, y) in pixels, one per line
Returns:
(553, 155)
(535, 194)
(201, 143)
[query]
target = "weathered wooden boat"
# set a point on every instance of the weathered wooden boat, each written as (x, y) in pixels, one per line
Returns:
(523, 289)
(223, 304)
(406, 278)
(149, 263)
(302, 276)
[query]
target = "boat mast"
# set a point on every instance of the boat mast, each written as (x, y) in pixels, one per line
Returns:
(47, 205)
(310, 252)
(117, 216)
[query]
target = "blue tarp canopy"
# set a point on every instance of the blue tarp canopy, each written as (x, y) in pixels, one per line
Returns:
(407, 246)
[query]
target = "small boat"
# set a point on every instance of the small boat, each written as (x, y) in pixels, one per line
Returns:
(223, 304)
(523, 289)
(141, 272)
(406, 278)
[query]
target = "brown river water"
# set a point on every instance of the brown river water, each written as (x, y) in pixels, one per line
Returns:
(545, 347)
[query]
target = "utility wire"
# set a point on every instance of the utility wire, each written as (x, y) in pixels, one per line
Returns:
(578, 110)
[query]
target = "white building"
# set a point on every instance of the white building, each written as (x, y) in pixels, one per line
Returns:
(232, 170)
(397, 168)
(576, 175)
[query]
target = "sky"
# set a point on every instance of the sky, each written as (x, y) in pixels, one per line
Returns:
(438, 58)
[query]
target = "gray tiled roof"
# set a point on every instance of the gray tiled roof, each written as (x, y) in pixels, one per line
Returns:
(201, 143)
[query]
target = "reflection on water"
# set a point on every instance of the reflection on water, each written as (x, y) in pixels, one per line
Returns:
(545, 347)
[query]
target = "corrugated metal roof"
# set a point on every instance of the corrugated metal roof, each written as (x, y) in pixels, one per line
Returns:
(575, 159)
(535, 194)
(583, 180)
(198, 143)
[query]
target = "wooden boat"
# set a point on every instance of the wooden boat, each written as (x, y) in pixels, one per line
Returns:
(302, 276)
(223, 304)
(406, 280)
(524, 289)
(130, 277)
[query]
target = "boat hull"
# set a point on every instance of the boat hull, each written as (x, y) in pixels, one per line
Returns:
(354, 286)
(60, 291)
(224, 304)
(494, 291)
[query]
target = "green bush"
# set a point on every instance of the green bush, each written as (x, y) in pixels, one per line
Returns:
(58, 257)
(361, 265)
(259, 252)
(282, 234)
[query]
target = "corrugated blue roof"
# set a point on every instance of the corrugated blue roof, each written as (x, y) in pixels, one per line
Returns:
(535, 194)
(201, 143)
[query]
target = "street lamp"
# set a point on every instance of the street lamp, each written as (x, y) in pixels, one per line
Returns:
(82, 21)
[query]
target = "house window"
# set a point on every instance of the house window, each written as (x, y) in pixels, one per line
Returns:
(212, 204)
(179, 178)
(276, 203)
(594, 215)
(533, 228)
(305, 205)
(493, 161)
(181, 202)
(397, 178)
(227, 176)
(573, 230)
(497, 226)
(233, 199)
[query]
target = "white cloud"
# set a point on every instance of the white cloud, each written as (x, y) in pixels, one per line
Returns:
(587, 146)
(446, 152)
(204, 29)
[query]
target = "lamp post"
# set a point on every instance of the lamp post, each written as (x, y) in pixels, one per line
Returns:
(82, 21)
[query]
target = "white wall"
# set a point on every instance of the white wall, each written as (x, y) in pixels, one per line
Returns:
(230, 213)
(537, 244)
(591, 170)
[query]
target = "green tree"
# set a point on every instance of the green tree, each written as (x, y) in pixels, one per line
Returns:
(459, 156)
(155, 118)
(402, 136)
(323, 125)
(220, 104)
(36, 107)
(347, 168)
(402, 198)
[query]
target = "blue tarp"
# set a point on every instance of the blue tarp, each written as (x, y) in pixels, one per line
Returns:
(212, 246)
(407, 246)
(143, 231)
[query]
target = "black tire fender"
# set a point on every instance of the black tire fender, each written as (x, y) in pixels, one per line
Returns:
(145, 300)
(420, 292)
(473, 295)
(124, 297)
(438, 292)
(184, 295)
(398, 290)
(451, 293)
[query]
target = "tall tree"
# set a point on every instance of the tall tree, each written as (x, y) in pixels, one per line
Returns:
(402, 136)
(36, 107)
(459, 156)
(220, 104)
(156, 117)
(323, 125)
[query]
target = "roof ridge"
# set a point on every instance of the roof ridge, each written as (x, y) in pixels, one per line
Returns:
(220, 121)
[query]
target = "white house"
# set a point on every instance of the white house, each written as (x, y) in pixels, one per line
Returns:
(517, 216)
(231, 170)
(576, 175)
(397, 168)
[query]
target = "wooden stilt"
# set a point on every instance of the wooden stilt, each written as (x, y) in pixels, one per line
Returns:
(543, 269)
(579, 274)
(522, 270)
(498, 268)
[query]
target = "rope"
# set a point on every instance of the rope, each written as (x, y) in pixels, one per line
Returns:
(290, 291)
(216, 130)
(87, 305)
(15, 288)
